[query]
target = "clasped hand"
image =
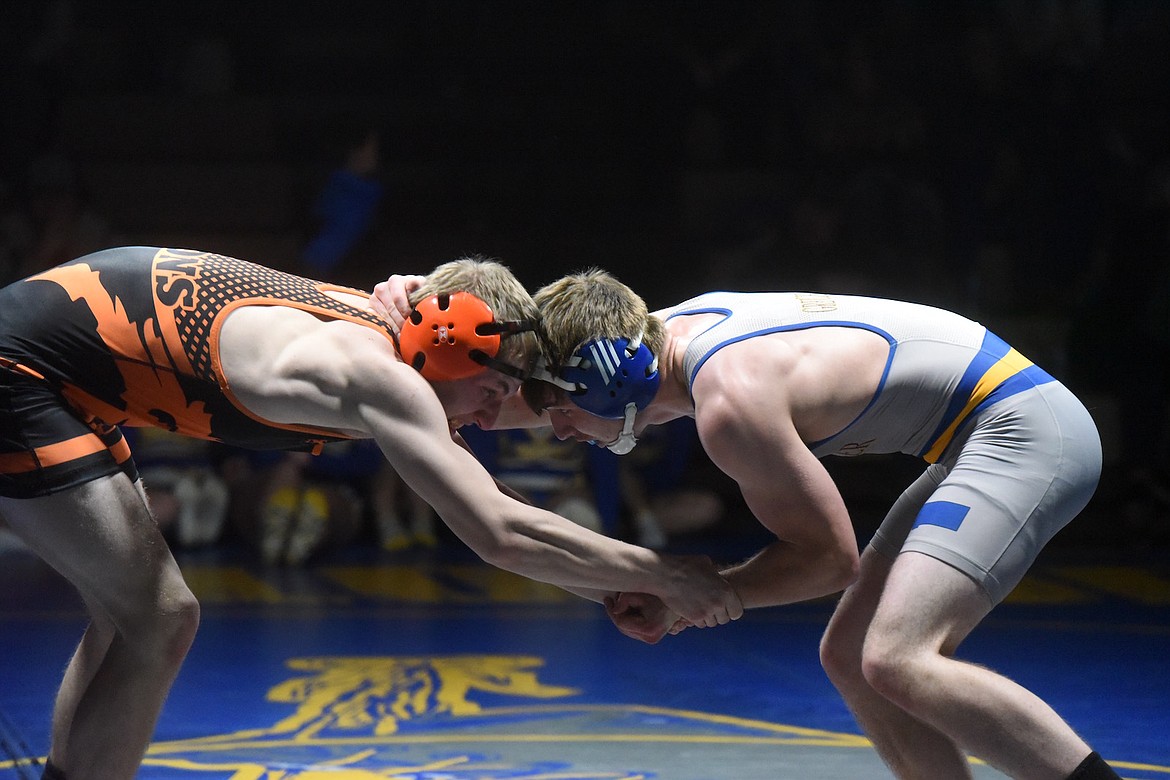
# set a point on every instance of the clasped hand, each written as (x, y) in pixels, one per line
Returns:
(706, 596)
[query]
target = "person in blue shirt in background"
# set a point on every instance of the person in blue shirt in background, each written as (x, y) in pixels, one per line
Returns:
(345, 209)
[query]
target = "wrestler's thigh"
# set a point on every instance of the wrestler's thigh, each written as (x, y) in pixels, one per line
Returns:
(1028, 467)
(927, 604)
(101, 537)
(46, 446)
(895, 527)
(855, 610)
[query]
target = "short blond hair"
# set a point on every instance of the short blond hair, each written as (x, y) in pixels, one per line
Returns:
(593, 304)
(493, 283)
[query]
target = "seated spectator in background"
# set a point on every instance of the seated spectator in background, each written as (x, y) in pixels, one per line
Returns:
(654, 487)
(391, 499)
(293, 506)
(187, 495)
(578, 483)
(550, 473)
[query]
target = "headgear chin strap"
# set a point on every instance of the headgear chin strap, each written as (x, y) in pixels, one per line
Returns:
(610, 378)
(626, 441)
(456, 336)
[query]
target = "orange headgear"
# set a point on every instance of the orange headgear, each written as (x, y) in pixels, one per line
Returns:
(455, 336)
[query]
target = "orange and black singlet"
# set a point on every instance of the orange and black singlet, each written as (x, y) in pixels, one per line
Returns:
(129, 336)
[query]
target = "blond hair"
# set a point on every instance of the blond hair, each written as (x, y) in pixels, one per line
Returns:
(593, 304)
(494, 284)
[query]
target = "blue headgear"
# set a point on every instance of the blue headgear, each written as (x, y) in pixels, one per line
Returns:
(610, 378)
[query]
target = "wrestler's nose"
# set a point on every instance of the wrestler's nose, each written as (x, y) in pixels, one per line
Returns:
(562, 428)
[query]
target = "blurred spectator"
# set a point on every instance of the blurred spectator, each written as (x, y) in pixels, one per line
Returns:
(344, 211)
(391, 500)
(579, 483)
(658, 483)
(293, 506)
(188, 497)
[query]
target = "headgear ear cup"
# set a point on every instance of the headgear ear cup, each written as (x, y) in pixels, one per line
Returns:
(444, 336)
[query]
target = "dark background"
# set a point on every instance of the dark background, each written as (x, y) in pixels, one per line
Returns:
(1004, 159)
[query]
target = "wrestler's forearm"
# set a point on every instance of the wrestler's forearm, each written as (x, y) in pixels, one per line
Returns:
(784, 573)
(592, 594)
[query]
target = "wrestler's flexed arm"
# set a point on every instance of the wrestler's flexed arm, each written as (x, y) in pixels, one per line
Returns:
(523, 538)
(745, 422)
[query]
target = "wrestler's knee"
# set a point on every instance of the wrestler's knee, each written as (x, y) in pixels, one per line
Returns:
(183, 623)
(891, 665)
(161, 624)
(840, 656)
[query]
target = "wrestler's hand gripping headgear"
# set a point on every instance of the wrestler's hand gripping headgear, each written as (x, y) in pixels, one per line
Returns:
(456, 336)
(610, 378)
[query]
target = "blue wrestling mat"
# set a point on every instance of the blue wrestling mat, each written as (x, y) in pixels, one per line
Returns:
(420, 668)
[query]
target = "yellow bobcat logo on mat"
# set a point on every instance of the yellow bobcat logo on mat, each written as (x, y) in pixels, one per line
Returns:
(377, 694)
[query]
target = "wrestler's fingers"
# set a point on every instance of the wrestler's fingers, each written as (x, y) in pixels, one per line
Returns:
(379, 309)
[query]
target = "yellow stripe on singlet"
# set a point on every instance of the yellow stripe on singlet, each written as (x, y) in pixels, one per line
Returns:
(1003, 369)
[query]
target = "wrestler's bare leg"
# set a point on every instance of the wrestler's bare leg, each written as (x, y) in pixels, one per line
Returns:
(908, 746)
(926, 609)
(86, 660)
(101, 537)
